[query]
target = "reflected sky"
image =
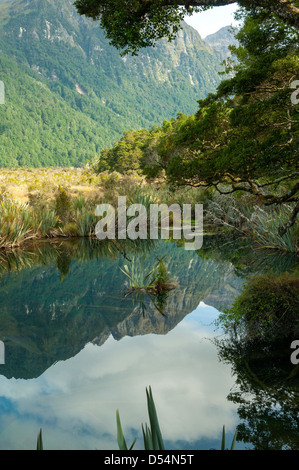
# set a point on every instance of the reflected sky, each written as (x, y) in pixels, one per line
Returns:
(75, 401)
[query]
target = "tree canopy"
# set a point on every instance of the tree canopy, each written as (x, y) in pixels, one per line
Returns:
(134, 24)
(245, 136)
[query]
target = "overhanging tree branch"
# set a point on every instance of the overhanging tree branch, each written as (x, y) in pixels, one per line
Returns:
(286, 10)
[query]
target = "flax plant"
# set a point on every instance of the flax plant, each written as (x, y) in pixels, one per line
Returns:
(265, 225)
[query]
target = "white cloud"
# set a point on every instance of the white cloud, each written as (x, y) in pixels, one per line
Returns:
(75, 401)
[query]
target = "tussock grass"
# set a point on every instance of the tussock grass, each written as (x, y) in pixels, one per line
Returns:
(49, 202)
(256, 222)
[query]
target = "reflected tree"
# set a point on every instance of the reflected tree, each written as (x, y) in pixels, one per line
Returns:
(267, 392)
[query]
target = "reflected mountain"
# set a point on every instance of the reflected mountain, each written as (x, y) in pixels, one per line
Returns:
(57, 297)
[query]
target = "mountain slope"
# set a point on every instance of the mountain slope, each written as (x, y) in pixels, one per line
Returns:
(221, 40)
(69, 93)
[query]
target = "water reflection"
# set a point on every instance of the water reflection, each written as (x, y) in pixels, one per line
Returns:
(266, 391)
(75, 401)
(72, 295)
(77, 347)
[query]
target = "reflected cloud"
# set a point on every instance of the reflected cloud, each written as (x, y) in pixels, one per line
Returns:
(75, 401)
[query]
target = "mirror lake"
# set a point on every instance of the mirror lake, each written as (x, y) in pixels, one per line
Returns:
(79, 345)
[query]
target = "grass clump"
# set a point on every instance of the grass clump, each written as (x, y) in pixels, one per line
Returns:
(265, 226)
(155, 281)
(20, 222)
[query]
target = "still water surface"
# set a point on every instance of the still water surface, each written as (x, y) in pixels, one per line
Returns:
(77, 348)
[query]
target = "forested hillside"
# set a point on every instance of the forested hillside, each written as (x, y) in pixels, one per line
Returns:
(69, 94)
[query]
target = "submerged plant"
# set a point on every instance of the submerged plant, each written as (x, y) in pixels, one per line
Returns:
(155, 285)
(136, 276)
(155, 281)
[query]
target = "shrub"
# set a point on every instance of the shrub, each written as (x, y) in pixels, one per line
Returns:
(62, 204)
(267, 308)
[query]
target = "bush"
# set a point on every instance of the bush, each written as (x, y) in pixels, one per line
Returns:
(267, 308)
(62, 204)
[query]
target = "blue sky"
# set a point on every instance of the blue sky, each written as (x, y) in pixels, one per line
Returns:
(210, 21)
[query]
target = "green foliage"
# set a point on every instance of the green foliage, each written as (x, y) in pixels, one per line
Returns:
(16, 224)
(155, 280)
(20, 223)
(143, 150)
(266, 392)
(120, 436)
(233, 444)
(85, 222)
(247, 133)
(51, 132)
(134, 24)
(267, 309)
(241, 214)
(62, 204)
(152, 436)
(39, 444)
(265, 226)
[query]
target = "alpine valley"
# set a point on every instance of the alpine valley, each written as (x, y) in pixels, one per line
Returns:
(69, 94)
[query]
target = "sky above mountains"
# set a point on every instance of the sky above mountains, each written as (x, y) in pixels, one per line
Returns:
(210, 21)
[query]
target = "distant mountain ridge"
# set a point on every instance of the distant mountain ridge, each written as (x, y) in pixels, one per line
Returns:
(69, 93)
(221, 40)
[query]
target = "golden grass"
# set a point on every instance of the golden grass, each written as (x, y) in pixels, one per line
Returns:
(19, 183)
(54, 202)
